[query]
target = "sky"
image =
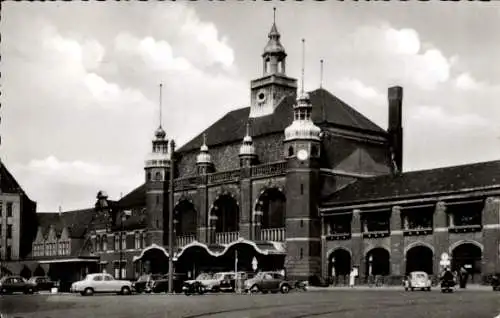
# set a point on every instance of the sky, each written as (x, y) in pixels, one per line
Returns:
(80, 81)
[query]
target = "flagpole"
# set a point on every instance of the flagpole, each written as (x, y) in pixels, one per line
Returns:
(236, 271)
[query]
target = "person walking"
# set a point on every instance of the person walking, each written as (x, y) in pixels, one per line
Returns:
(352, 277)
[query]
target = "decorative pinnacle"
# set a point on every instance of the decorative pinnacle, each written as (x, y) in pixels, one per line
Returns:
(161, 87)
(204, 139)
(248, 128)
(321, 75)
(274, 15)
(303, 62)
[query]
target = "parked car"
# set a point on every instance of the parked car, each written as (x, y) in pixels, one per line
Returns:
(42, 283)
(16, 284)
(495, 282)
(228, 281)
(210, 283)
(141, 284)
(101, 283)
(268, 282)
(419, 280)
(160, 284)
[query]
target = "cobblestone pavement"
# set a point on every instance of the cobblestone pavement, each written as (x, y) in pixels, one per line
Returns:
(336, 303)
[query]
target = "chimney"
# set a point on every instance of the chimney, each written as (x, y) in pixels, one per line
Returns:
(395, 95)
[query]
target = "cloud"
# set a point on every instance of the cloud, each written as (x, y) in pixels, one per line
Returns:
(356, 87)
(157, 55)
(398, 54)
(52, 182)
(405, 41)
(90, 99)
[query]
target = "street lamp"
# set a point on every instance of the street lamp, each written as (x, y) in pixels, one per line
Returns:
(123, 218)
(171, 238)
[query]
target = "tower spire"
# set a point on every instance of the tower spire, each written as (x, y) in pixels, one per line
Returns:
(303, 62)
(321, 75)
(161, 88)
(274, 15)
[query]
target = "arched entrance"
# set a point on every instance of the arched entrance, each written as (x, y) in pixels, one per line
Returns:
(246, 252)
(227, 214)
(272, 204)
(194, 260)
(419, 258)
(153, 259)
(185, 218)
(339, 266)
(467, 255)
(39, 271)
(378, 262)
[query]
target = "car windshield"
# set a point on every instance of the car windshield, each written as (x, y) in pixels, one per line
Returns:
(143, 278)
(204, 276)
(419, 276)
(219, 276)
(89, 277)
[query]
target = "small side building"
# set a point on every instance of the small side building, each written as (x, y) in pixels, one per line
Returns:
(17, 223)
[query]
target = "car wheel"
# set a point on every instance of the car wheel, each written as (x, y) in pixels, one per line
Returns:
(428, 289)
(88, 291)
(285, 289)
(406, 288)
(412, 289)
(254, 289)
(125, 290)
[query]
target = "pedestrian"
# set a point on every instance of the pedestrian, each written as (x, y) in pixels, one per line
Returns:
(464, 275)
(352, 276)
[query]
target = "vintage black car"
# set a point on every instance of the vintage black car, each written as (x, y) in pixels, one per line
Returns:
(42, 283)
(16, 284)
(159, 284)
(143, 283)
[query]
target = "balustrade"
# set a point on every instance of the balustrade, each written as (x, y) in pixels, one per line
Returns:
(275, 235)
(465, 228)
(183, 240)
(226, 237)
(190, 182)
(275, 168)
(225, 176)
(375, 234)
(338, 236)
(427, 230)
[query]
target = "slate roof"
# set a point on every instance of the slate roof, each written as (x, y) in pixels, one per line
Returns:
(8, 183)
(76, 222)
(326, 108)
(134, 198)
(418, 183)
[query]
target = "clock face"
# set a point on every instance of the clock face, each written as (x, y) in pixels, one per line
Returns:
(302, 154)
(261, 96)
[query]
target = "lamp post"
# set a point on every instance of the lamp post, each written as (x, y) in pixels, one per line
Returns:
(171, 238)
(123, 218)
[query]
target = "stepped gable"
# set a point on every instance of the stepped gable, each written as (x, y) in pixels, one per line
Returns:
(418, 183)
(326, 109)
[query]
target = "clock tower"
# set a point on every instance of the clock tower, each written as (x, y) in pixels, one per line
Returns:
(268, 91)
(303, 227)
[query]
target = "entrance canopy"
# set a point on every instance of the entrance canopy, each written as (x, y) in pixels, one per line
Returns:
(149, 248)
(70, 260)
(264, 248)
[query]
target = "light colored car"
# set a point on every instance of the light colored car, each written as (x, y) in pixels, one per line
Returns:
(417, 280)
(101, 283)
(208, 282)
(268, 282)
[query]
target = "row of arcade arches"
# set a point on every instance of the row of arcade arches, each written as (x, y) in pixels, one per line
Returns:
(225, 213)
(418, 257)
